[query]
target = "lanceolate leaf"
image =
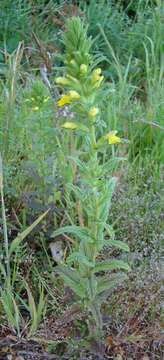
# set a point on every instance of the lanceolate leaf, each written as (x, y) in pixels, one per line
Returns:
(2, 270)
(111, 265)
(110, 282)
(66, 271)
(80, 193)
(112, 242)
(117, 243)
(82, 166)
(16, 242)
(72, 279)
(105, 201)
(81, 258)
(81, 232)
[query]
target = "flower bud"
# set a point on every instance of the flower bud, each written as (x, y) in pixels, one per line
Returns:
(74, 95)
(93, 111)
(69, 125)
(96, 75)
(72, 62)
(83, 69)
(61, 80)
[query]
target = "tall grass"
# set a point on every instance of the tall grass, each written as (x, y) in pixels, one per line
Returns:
(133, 63)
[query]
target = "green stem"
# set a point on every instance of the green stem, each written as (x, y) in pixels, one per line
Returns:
(93, 142)
(4, 219)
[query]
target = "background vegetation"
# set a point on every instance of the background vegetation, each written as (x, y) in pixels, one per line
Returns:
(34, 305)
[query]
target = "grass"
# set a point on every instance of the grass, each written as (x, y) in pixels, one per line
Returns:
(129, 40)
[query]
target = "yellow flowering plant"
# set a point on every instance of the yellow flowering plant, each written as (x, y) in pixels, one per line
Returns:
(91, 279)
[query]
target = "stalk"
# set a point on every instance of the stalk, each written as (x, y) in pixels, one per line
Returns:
(6, 243)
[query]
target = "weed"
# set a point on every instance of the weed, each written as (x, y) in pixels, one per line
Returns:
(95, 189)
(43, 162)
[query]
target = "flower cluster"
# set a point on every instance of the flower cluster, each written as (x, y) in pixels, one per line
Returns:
(85, 86)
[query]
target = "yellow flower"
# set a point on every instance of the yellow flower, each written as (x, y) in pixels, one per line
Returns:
(112, 138)
(83, 69)
(69, 125)
(36, 108)
(65, 99)
(61, 80)
(74, 95)
(96, 75)
(93, 111)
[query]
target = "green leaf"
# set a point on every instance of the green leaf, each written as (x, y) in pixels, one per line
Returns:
(80, 193)
(81, 258)
(32, 310)
(36, 310)
(111, 265)
(105, 283)
(82, 166)
(2, 270)
(112, 242)
(117, 243)
(16, 242)
(110, 231)
(11, 309)
(81, 232)
(105, 200)
(72, 279)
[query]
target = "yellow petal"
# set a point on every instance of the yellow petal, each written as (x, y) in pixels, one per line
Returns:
(65, 99)
(69, 125)
(93, 111)
(83, 69)
(112, 138)
(96, 75)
